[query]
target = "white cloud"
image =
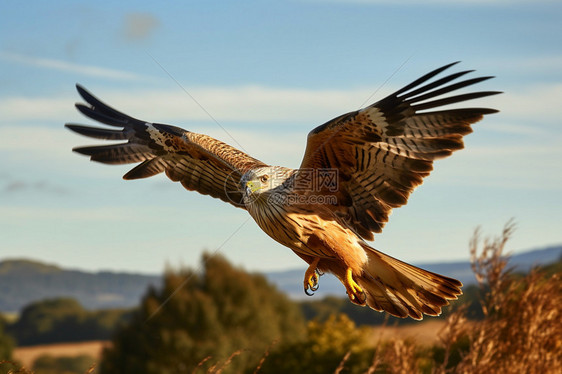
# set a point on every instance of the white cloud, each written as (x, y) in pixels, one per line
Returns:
(530, 111)
(97, 214)
(132, 215)
(531, 166)
(29, 145)
(247, 103)
(15, 109)
(548, 149)
(68, 67)
(243, 103)
(279, 148)
(40, 153)
(532, 104)
(42, 140)
(513, 128)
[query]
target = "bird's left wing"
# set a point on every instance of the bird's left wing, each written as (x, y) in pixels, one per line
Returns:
(200, 162)
(382, 152)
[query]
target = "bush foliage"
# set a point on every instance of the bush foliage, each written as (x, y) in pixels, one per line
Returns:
(323, 349)
(218, 317)
(6, 347)
(64, 320)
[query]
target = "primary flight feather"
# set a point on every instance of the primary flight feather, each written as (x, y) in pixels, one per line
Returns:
(355, 170)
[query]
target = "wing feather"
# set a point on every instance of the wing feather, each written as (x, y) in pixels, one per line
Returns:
(199, 162)
(147, 168)
(384, 151)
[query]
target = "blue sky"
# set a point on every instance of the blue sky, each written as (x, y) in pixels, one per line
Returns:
(266, 73)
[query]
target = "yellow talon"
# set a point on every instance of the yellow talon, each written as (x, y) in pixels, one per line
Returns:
(311, 278)
(354, 291)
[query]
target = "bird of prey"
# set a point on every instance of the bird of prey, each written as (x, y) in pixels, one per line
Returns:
(356, 168)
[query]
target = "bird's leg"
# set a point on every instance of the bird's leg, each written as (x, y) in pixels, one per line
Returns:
(311, 277)
(354, 291)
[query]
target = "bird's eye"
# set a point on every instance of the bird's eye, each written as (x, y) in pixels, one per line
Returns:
(264, 178)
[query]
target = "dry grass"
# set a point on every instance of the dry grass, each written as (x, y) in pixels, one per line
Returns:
(27, 355)
(422, 333)
(13, 367)
(521, 331)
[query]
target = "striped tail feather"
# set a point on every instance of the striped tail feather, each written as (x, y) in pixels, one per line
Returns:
(404, 290)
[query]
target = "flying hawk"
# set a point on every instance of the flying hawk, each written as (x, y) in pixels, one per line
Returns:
(355, 170)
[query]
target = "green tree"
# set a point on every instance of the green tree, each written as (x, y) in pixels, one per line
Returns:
(48, 321)
(204, 318)
(64, 320)
(6, 347)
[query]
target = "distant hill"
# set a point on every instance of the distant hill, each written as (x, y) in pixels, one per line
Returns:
(290, 281)
(24, 281)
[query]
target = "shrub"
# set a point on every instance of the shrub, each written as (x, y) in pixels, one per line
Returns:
(219, 319)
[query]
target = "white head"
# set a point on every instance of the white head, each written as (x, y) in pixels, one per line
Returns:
(261, 182)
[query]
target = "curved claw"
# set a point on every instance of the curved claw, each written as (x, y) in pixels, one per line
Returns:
(354, 291)
(311, 278)
(315, 286)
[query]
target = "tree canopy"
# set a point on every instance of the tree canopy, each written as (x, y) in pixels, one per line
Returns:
(6, 346)
(203, 318)
(63, 320)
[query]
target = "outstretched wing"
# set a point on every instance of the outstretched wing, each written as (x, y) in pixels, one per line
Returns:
(382, 152)
(200, 162)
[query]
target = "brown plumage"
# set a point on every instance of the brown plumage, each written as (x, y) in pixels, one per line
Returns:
(355, 170)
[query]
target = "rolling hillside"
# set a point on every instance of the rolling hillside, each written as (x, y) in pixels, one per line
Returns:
(25, 281)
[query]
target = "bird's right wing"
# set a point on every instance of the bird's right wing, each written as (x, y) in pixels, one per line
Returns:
(200, 162)
(383, 152)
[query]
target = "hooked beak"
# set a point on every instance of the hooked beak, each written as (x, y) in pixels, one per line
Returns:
(251, 187)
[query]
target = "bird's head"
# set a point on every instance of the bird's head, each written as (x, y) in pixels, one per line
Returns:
(262, 181)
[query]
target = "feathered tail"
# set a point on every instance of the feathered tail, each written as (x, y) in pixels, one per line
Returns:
(402, 289)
